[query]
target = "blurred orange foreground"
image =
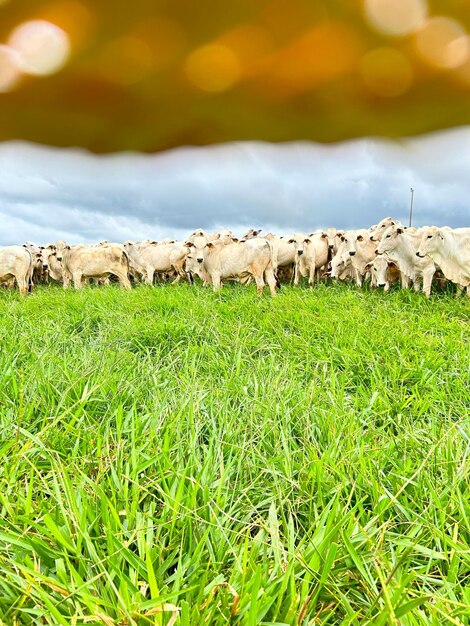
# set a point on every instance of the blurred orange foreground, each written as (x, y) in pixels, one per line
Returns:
(152, 75)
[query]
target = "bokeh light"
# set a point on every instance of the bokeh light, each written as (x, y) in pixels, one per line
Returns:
(386, 72)
(213, 68)
(42, 47)
(396, 17)
(322, 54)
(442, 42)
(9, 70)
(251, 43)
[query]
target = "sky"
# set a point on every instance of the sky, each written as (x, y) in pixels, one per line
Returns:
(54, 193)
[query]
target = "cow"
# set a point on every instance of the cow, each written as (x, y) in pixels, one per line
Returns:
(377, 230)
(237, 260)
(251, 233)
(400, 246)
(383, 272)
(313, 257)
(341, 264)
(333, 238)
(50, 262)
(17, 262)
(149, 259)
(97, 262)
(361, 250)
(450, 250)
(283, 254)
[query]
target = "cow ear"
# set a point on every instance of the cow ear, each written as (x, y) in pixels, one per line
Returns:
(391, 264)
(189, 244)
(368, 266)
(441, 236)
(324, 235)
(307, 240)
(291, 241)
(235, 239)
(400, 231)
(257, 232)
(360, 238)
(67, 247)
(210, 245)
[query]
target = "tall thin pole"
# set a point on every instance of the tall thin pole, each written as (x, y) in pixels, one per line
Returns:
(411, 205)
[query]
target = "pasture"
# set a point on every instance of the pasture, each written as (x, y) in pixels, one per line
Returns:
(175, 456)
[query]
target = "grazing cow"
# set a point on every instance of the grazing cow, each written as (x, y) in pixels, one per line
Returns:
(87, 261)
(450, 250)
(400, 246)
(17, 262)
(252, 258)
(383, 272)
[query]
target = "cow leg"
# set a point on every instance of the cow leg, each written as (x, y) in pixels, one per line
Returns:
(77, 280)
(22, 285)
(405, 281)
(358, 278)
(216, 282)
(271, 280)
(311, 276)
(259, 283)
(149, 274)
(427, 282)
(298, 272)
(123, 279)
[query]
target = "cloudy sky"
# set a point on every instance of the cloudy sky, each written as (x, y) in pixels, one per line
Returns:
(48, 194)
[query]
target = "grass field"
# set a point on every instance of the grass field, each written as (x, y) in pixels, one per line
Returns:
(173, 456)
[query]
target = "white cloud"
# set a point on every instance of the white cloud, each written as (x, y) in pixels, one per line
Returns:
(46, 193)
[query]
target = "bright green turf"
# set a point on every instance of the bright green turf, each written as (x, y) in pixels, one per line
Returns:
(310, 451)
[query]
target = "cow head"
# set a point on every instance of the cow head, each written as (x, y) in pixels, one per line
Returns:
(431, 241)
(298, 240)
(389, 239)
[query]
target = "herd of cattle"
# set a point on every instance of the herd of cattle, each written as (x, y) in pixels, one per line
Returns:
(382, 254)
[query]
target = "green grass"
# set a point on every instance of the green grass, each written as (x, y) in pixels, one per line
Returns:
(170, 455)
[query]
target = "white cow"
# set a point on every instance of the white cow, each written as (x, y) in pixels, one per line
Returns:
(252, 258)
(361, 250)
(147, 259)
(383, 272)
(450, 250)
(311, 257)
(400, 246)
(98, 262)
(283, 253)
(17, 262)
